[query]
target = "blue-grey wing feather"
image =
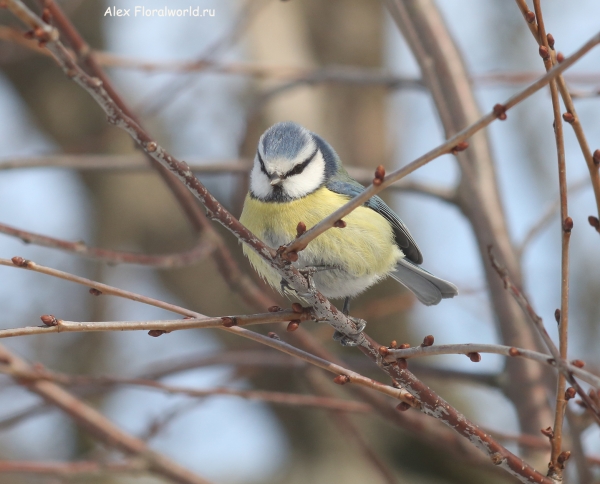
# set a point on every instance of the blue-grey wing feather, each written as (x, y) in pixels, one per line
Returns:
(343, 184)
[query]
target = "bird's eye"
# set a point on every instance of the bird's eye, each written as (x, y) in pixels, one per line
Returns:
(299, 168)
(262, 164)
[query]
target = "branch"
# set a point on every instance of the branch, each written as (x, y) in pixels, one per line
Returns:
(55, 325)
(98, 425)
(69, 470)
(281, 398)
(511, 351)
(137, 162)
(555, 466)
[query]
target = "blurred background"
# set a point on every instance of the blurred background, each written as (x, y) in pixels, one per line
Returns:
(246, 55)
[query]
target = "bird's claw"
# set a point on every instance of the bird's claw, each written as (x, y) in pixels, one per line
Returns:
(347, 340)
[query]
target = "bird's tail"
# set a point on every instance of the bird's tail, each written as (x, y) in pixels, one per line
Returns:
(430, 290)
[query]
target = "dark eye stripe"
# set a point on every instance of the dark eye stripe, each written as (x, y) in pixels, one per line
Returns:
(300, 167)
(262, 164)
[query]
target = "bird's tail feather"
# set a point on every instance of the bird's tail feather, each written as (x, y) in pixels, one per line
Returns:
(430, 290)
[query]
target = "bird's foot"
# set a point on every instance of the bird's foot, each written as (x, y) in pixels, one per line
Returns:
(347, 340)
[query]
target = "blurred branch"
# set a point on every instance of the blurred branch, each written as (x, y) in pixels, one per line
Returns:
(474, 348)
(347, 427)
(281, 398)
(98, 425)
(136, 162)
(200, 251)
(548, 215)
(68, 470)
(592, 160)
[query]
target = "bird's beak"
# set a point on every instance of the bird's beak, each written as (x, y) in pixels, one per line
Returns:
(276, 181)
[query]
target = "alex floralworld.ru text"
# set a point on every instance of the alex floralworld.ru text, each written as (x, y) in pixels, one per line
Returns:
(159, 12)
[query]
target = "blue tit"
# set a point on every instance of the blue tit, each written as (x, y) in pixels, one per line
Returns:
(298, 177)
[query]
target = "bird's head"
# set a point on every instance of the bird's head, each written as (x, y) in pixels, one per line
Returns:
(290, 163)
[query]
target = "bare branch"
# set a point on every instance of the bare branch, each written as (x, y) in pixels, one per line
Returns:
(511, 351)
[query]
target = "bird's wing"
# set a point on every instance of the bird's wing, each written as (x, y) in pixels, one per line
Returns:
(343, 184)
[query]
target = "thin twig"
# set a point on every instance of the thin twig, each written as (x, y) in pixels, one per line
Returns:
(166, 326)
(555, 468)
(79, 469)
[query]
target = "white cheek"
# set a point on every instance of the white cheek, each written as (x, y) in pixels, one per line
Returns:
(260, 184)
(308, 181)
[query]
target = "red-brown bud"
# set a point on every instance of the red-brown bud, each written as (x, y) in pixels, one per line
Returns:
(462, 146)
(380, 172)
(428, 340)
(341, 379)
(550, 38)
(548, 432)
(394, 344)
(569, 118)
(384, 350)
(403, 406)
(293, 325)
(297, 308)
(593, 221)
(292, 256)
(474, 357)
(570, 393)
(19, 261)
(563, 457)
(568, 224)
(530, 17)
(228, 322)
(49, 320)
(340, 224)
(155, 333)
(544, 54)
(273, 335)
(514, 352)
(557, 315)
(95, 292)
(151, 147)
(404, 346)
(596, 157)
(500, 111)
(560, 57)
(376, 181)
(578, 363)
(300, 229)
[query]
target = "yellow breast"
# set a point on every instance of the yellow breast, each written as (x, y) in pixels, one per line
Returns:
(364, 249)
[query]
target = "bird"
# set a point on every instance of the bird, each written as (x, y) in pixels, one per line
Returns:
(298, 177)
